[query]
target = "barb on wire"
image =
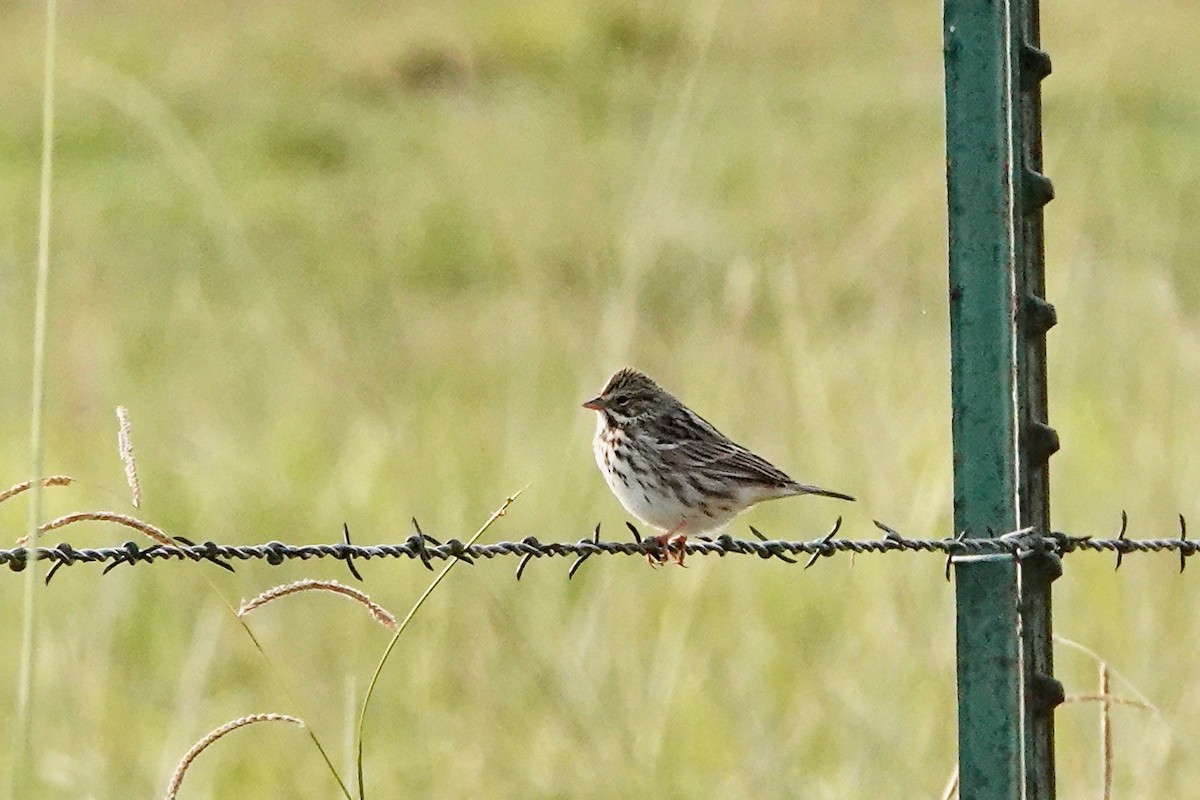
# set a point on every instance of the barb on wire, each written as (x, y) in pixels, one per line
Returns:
(532, 542)
(950, 554)
(349, 558)
(225, 565)
(888, 533)
(420, 538)
(579, 561)
(1120, 536)
(828, 538)
(729, 541)
(1183, 554)
(1019, 544)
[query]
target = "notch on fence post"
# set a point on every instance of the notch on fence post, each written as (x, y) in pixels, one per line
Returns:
(998, 321)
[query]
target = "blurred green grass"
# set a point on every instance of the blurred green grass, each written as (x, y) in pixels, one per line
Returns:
(348, 264)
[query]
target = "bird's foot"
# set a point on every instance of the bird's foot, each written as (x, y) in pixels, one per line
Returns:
(660, 555)
(673, 548)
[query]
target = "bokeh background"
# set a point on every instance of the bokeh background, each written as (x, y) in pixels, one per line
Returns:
(352, 263)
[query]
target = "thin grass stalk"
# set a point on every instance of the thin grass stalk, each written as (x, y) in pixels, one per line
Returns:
(362, 714)
(23, 767)
(165, 538)
(125, 450)
(1106, 745)
(274, 671)
(211, 737)
(951, 790)
(157, 534)
(377, 612)
(24, 486)
(287, 693)
(1143, 700)
(1112, 700)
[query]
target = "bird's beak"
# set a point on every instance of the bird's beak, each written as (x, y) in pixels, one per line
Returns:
(595, 404)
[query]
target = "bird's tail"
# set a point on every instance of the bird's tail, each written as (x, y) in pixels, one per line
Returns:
(804, 488)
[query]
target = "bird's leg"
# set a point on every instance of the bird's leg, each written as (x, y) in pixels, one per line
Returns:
(681, 542)
(656, 558)
(665, 540)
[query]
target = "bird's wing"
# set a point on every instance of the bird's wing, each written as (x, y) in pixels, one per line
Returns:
(698, 446)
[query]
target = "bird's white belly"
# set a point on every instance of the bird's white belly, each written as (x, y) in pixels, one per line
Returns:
(643, 496)
(662, 511)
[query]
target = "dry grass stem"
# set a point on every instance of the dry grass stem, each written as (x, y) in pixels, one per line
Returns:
(381, 614)
(1106, 746)
(1109, 699)
(125, 447)
(53, 480)
(1143, 701)
(951, 790)
(105, 516)
(412, 612)
(212, 736)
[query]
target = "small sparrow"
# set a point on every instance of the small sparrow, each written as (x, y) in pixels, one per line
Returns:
(673, 470)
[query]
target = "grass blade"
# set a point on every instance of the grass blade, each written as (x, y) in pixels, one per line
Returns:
(22, 768)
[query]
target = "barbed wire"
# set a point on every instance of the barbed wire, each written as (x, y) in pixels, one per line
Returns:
(1019, 544)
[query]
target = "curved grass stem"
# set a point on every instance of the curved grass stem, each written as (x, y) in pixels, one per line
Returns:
(362, 714)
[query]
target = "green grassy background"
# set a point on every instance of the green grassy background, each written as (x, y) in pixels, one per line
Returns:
(350, 264)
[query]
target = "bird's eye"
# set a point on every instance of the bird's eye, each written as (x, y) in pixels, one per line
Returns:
(620, 403)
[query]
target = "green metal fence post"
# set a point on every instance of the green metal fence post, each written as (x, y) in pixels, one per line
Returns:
(979, 200)
(998, 319)
(1037, 441)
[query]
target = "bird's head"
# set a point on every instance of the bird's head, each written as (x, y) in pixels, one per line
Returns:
(629, 395)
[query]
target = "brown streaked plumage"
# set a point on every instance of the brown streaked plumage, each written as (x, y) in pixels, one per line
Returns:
(673, 470)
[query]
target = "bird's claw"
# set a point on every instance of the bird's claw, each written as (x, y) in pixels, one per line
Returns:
(671, 548)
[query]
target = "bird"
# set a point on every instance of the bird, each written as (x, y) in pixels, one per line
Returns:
(672, 469)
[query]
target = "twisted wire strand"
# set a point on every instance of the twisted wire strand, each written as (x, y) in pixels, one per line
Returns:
(1016, 544)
